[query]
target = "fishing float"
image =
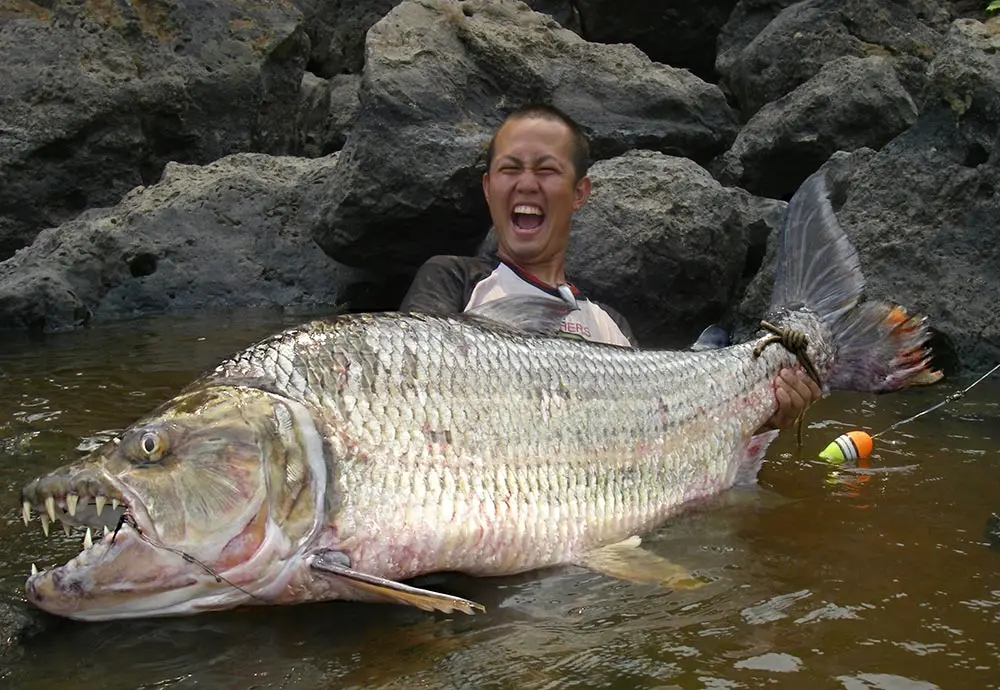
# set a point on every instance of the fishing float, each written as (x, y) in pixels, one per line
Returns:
(858, 445)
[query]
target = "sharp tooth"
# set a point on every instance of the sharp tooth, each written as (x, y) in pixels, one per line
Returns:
(88, 539)
(50, 507)
(45, 523)
(26, 513)
(71, 501)
(34, 569)
(107, 531)
(114, 504)
(65, 529)
(99, 502)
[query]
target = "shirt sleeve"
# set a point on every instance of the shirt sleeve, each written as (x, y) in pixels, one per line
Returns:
(439, 287)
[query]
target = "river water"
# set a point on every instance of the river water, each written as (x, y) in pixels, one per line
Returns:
(819, 578)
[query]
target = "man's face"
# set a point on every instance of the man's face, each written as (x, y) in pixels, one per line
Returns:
(531, 189)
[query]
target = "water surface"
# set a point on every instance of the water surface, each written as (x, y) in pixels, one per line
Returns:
(820, 579)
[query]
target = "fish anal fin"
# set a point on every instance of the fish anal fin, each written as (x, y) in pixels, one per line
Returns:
(332, 563)
(626, 560)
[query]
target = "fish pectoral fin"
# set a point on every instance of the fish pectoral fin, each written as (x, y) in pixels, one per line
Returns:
(627, 561)
(332, 563)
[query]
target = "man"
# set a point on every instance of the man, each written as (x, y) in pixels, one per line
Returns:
(536, 179)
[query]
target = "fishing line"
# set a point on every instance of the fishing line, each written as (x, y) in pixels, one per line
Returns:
(951, 398)
(857, 445)
(127, 519)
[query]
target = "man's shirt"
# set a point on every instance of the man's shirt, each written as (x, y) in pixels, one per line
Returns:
(453, 284)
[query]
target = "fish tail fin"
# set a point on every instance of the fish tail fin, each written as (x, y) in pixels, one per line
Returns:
(880, 347)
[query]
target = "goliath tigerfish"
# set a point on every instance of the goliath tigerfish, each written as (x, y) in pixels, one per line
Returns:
(340, 458)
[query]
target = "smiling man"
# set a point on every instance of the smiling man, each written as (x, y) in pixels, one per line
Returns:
(536, 179)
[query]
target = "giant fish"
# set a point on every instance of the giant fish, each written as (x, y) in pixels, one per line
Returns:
(344, 457)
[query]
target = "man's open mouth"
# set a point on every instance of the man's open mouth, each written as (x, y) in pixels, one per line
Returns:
(527, 217)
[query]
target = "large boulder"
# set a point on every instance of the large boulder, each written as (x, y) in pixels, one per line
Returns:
(851, 103)
(804, 36)
(96, 97)
(440, 76)
(230, 234)
(666, 245)
(924, 211)
(337, 29)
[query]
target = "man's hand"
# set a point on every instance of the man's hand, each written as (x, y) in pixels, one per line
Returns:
(794, 391)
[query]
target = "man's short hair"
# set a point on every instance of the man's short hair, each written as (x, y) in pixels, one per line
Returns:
(580, 153)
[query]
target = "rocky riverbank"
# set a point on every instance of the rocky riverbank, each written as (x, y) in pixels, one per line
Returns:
(170, 155)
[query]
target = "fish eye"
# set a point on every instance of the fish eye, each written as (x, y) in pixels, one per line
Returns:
(152, 445)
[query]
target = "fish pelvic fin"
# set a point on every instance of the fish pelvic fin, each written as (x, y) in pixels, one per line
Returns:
(535, 315)
(880, 347)
(333, 563)
(626, 560)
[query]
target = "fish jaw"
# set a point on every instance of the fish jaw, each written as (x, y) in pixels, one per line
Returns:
(213, 521)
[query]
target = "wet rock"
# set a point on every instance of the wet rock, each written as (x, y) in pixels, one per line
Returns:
(229, 234)
(440, 76)
(804, 36)
(993, 531)
(96, 97)
(851, 103)
(665, 244)
(17, 624)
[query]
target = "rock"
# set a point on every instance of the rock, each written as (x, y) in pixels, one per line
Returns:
(566, 12)
(851, 103)
(993, 531)
(337, 30)
(440, 76)
(17, 624)
(96, 97)
(678, 33)
(226, 235)
(329, 109)
(665, 244)
(924, 211)
(806, 35)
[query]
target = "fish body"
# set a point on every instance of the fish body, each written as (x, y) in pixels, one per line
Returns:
(337, 459)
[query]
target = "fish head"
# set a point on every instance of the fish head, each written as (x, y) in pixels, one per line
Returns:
(200, 505)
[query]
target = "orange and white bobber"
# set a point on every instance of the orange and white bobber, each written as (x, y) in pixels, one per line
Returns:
(849, 447)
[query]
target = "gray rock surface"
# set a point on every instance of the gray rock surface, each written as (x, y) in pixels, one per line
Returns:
(924, 211)
(794, 46)
(228, 234)
(851, 103)
(440, 76)
(95, 98)
(665, 244)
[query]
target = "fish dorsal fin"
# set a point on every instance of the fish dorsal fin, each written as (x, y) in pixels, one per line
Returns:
(627, 561)
(533, 314)
(334, 563)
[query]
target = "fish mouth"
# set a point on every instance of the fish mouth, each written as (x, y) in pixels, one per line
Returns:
(91, 502)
